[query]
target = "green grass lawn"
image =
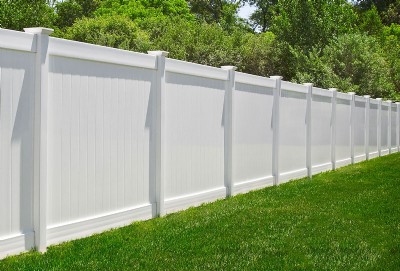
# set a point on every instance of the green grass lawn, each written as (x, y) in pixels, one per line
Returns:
(348, 219)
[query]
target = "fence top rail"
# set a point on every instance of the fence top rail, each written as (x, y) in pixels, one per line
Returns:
(360, 98)
(343, 96)
(254, 80)
(322, 92)
(91, 52)
(16, 40)
(386, 104)
(294, 87)
(188, 68)
(374, 101)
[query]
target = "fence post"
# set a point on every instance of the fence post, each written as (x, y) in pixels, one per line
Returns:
(398, 126)
(379, 125)
(352, 122)
(228, 132)
(389, 136)
(158, 126)
(333, 128)
(308, 134)
(275, 127)
(40, 136)
(366, 127)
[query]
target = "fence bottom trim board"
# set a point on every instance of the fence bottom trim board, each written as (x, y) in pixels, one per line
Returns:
(343, 162)
(393, 150)
(83, 228)
(249, 185)
(321, 168)
(384, 152)
(11, 245)
(373, 154)
(360, 158)
(296, 174)
(195, 199)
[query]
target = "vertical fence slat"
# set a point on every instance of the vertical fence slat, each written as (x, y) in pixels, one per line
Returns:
(40, 135)
(379, 126)
(366, 127)
(352, 124)
(333, 128)
(275, 129)
(389, 136)
(308, 134)
(228, 130)
(397, 125)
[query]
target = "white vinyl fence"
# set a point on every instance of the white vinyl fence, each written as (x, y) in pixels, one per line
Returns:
(93, 138)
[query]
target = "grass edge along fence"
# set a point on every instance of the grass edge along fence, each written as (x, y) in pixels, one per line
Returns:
(93, 138)
(342, 220)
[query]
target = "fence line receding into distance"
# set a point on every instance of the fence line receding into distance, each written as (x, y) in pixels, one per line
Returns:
(93, 138)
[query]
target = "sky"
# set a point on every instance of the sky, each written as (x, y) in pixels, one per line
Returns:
(245, 11)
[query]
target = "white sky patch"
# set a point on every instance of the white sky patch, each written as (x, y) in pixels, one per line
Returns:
(246, 11)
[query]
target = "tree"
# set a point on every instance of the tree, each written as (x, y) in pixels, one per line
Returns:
(370, 22)
(392, 15)
(352, 62)
(305, 26)
(391, 48)
(18, 14)
(67, 13)
(70, 10)
(221, 12)
(381, 5)
(259, 54)
(141, 10)
(196, 41)
(308, 24)
(213, 11)
(262, 16)
(117, 31)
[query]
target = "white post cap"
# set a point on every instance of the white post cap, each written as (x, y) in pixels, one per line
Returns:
(158, 53)
(228, 68)
(276, 77)
(39, 30)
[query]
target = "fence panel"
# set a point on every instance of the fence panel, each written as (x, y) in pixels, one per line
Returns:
(343, 122)
(359, 128)
(16, 141)
(194, 135)
(252, 135)
(292, 134)
(99, 142)
(321, 120)
(384, 128)
(393, 122)
(373, 129)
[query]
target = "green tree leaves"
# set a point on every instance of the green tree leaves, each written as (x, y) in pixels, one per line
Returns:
(352, 45)
(117, 31)
(17, 14)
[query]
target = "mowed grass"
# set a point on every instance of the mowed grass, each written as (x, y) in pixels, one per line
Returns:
(347, 219)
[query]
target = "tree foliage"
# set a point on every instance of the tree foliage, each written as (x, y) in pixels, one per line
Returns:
(138, 10)
(116, 31)
(262, 16)
(352, 45)
(17, 14)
